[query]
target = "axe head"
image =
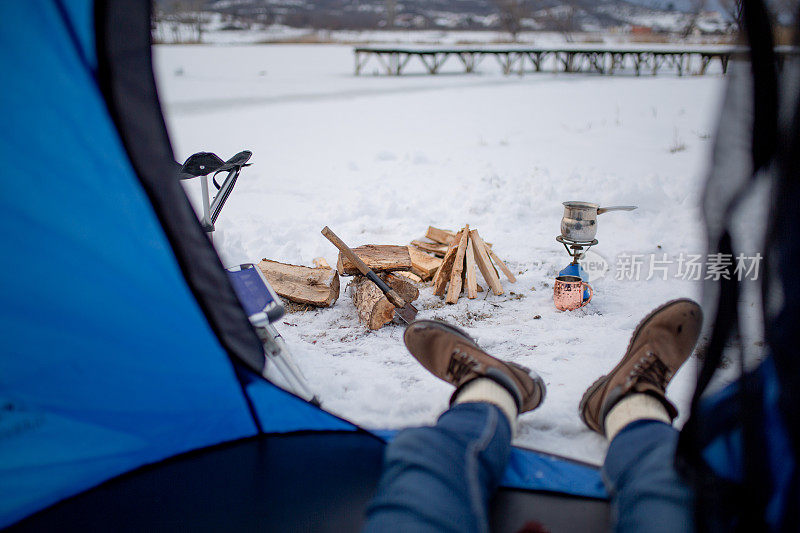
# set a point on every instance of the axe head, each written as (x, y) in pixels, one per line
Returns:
(406, 314)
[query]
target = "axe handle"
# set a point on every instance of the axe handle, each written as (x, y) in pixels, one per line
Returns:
(391, 295)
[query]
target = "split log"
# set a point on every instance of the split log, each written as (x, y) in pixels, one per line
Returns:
(313, 286)
(454, 291)
(374, 309)
(434, 248)
(319, 262)
(484, 263)
(471, 278)
(503, 267)
(422, 264)
(409, 276)
(378, 257)
(443, 274)
(441, 236)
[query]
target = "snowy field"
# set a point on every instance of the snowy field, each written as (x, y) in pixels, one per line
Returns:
(379, 158)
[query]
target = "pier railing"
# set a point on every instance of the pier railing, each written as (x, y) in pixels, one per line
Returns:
(601, 59)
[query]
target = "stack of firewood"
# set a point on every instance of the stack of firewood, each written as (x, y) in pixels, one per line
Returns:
(318, 287)
(398, 266)
(389, 262)
(461, 252)
(448, 258)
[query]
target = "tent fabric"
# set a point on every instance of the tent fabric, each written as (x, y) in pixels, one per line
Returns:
(533, 470)
(125, 76)
(513, 511)
(320, 482)
(109, 361)
(262, 484)
(124, 343)
(281, 412)
(722, 440)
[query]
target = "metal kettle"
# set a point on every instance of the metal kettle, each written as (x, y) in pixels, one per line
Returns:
(579, 223)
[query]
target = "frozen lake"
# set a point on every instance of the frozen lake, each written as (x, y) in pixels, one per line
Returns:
(380, 158)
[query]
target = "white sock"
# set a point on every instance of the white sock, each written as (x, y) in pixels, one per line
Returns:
(486, 390)
(631, 408)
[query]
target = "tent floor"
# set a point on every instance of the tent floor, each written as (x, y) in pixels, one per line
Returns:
(297, 482)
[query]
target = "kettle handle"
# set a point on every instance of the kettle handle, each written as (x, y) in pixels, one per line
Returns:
(602, 210)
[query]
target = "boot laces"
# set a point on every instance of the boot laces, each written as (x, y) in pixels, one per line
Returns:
(651, 369)
(461, 363)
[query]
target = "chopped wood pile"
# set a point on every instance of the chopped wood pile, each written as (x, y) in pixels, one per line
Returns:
(423, 265)
(374, 309)
(378, 257)
(404, 260)
(461, 253)
(450, 260)
(395, 265)
(304, 285)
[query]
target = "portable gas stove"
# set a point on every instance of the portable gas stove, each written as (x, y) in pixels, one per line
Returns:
(576, 250)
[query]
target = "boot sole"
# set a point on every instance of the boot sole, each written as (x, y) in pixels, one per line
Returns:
(602, 380)
(537, 379)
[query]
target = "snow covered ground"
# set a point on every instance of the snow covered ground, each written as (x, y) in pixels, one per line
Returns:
(380, 158)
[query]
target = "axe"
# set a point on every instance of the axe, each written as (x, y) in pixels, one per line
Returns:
(403, 310)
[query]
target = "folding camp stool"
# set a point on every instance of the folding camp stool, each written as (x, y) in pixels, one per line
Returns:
(263, 307)
(203, 164)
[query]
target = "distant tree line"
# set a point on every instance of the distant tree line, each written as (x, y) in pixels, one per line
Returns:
(186, 20)
(564, 15)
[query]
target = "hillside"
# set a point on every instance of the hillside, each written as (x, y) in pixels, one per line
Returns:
(658, 16)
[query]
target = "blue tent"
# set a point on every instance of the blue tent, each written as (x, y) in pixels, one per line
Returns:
(131, 394)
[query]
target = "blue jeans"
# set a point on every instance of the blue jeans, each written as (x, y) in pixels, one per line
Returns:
(647, 494)
(441, 478)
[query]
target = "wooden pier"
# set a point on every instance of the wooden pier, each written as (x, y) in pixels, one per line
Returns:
(569, 59)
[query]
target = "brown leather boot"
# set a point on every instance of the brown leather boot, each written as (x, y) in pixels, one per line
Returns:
(451, 355)
(660, 344)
